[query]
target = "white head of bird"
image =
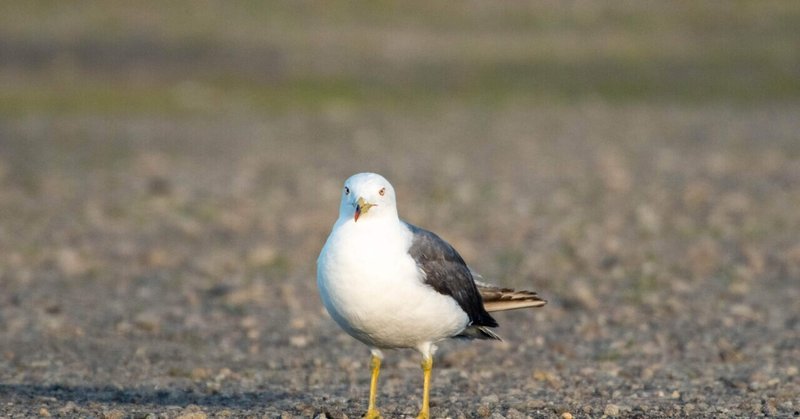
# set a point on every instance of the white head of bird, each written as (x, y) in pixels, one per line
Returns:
(367, 197)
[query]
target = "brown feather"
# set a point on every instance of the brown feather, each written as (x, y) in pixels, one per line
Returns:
(500, 299)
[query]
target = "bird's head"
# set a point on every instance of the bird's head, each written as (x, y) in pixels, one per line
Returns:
(367, 195)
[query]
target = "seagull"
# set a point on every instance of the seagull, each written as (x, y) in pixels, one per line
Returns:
(390, 284)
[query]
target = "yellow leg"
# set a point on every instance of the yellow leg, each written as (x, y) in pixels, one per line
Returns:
(427, 366)
(372, 411)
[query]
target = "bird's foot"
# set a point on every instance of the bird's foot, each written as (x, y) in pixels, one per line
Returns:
(372, 414)
(424, 414)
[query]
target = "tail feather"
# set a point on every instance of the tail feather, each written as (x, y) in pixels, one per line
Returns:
(500, 299)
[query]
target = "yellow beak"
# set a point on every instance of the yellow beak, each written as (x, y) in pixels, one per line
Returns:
(362, 207)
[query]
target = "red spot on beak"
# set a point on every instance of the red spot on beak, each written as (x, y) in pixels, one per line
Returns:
(358, 213)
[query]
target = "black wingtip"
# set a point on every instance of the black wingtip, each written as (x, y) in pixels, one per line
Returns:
(479, 332)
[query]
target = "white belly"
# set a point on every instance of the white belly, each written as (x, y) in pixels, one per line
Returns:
(374, 291)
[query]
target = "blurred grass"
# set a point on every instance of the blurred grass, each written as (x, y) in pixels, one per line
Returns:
(210, 57)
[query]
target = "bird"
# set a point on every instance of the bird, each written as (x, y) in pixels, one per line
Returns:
(391, 284)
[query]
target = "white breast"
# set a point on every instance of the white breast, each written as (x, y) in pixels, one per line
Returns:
(374, 290)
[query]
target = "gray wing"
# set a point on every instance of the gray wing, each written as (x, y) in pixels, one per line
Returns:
(447, 273)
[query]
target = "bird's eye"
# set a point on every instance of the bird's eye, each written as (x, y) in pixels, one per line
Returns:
(382, 191)
(346, 190)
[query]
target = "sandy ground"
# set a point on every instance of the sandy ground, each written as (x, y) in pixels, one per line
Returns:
(152, 269)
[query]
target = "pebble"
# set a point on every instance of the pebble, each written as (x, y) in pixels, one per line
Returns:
(490, 399)
(71, 262)
(536, 404)
(113, 414)
(770, 409)
(611, 410)
(192, 411)
(483, 411)
(566, 415)
(199, 373)
(755, 385)
(43, 412)
(514, 414)
(68, 408)
(688, 408)
(299, 341)
(147, 321)
(755, 407)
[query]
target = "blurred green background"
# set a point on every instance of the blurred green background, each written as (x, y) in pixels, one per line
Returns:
(205, 57)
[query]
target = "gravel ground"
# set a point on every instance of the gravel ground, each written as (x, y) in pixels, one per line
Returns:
(170, 170)
(165, 268)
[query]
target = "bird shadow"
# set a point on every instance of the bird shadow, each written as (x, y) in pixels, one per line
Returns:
(106, 394)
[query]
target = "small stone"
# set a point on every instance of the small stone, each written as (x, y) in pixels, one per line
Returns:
(611, 410)
(514, 414)
(770, 409)
(147, 321)
(249, 322)
(223, 374)
(158, 258)
(192, 415)
(648, 219)
(755, 407)
(43, 412)
(299, 341)
(536, 404)
(483, 411)
(675, 395)
(262, 255)
(199, 373)
(71, 262)
(585, 296)
(548, 377)
(566, 415)
(68, 408)
(490, 399)
(112, 414)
